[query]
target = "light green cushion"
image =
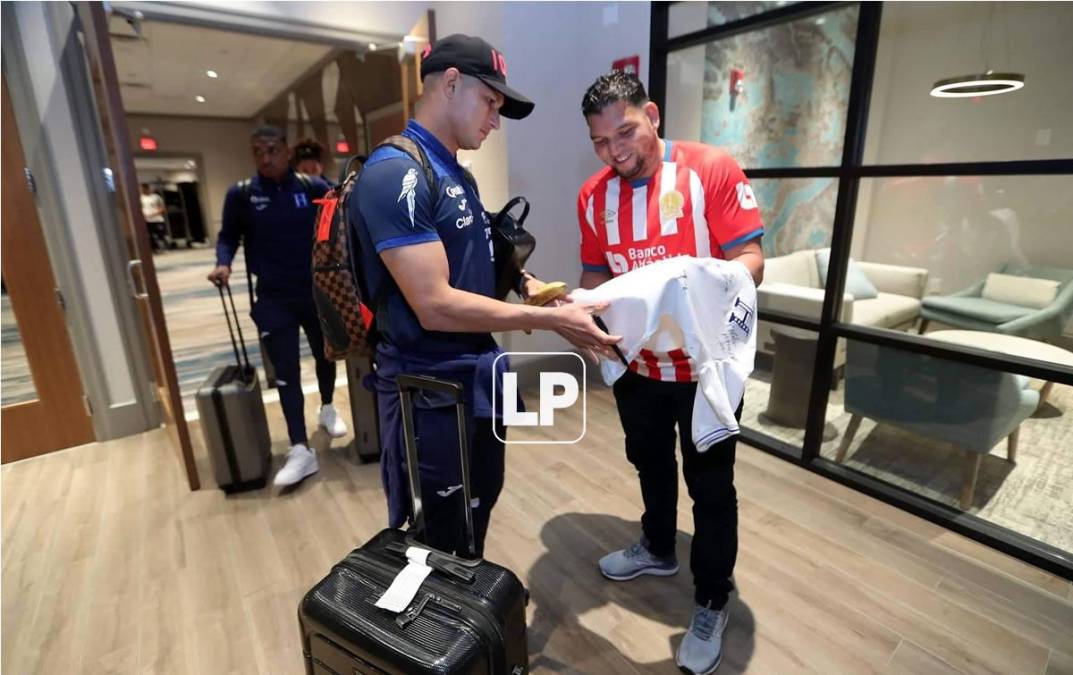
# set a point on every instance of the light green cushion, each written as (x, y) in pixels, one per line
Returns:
(857, 284)
(981, 309)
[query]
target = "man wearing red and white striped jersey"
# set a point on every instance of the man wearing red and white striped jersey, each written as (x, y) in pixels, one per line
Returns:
(658, 199)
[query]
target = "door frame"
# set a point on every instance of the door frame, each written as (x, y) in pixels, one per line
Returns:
(30, 428)
(104, 78)
(215, 16)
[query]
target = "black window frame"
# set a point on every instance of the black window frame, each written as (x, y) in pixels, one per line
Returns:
(849, 174)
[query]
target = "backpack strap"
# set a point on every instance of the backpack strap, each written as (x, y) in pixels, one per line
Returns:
(414, 150)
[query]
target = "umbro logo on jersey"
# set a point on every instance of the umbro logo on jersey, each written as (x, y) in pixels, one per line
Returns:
(606, 217)
(454, 191)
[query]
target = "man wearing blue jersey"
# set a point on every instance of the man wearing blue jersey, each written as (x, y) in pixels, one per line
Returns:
(426, 256)
(273, 215)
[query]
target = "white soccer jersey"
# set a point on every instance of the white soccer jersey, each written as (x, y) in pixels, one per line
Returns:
(706, 307)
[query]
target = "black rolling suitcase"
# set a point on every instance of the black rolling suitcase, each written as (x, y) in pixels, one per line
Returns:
(468, 615)
(233, 419)
(363, 413)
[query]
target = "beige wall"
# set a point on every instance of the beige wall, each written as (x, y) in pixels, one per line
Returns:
(223, 147)
(547, 156)
(489, 164)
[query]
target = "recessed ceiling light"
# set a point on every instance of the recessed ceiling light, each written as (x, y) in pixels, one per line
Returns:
(372, 47)
(212, 74)
(199, 98)
(820, 21)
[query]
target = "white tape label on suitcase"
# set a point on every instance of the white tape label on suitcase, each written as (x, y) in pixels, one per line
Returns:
(403, 589)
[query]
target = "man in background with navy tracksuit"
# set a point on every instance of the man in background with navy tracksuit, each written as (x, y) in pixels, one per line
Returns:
(426, 250)
(274, 214)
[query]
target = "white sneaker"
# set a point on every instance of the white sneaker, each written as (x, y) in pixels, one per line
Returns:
(331, 422)
(301, 463)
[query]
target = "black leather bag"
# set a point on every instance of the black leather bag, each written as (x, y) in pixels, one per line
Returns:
(512, 245)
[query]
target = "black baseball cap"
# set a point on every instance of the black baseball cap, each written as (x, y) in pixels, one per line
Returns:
(473, 56)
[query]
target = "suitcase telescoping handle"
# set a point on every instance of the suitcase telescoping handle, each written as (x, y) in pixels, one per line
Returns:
(408, 384)
(227, 315)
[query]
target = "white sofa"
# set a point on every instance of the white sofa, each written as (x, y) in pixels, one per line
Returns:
(792, 284)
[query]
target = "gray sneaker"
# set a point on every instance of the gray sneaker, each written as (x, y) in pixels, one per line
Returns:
(632, 562)
(701, 650)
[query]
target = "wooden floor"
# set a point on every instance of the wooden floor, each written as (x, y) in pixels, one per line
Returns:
(111, 565)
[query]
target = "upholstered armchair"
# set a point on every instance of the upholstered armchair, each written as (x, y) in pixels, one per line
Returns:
(976, 309)
(970, 407)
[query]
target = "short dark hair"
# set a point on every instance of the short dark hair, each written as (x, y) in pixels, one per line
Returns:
(308, 148)
(611, 88)
(145, 185)
(270, 132)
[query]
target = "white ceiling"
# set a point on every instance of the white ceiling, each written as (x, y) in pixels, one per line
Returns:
(164, 70)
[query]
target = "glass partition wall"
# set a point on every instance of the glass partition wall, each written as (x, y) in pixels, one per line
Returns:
(916, 315)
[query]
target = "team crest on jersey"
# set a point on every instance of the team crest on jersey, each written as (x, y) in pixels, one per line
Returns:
(670, 205)
(409, 191)
(301, 200)
(741, 315)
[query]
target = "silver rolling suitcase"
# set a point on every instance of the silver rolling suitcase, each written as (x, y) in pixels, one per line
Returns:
(233, 418)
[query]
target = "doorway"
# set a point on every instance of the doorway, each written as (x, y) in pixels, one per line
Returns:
(191, 96)
(175, 183)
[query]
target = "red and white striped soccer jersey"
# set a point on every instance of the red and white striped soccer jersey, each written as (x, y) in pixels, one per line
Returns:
(698, 203)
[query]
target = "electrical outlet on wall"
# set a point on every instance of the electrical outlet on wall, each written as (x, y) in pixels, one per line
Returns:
(1043, 137)
(934, 285)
